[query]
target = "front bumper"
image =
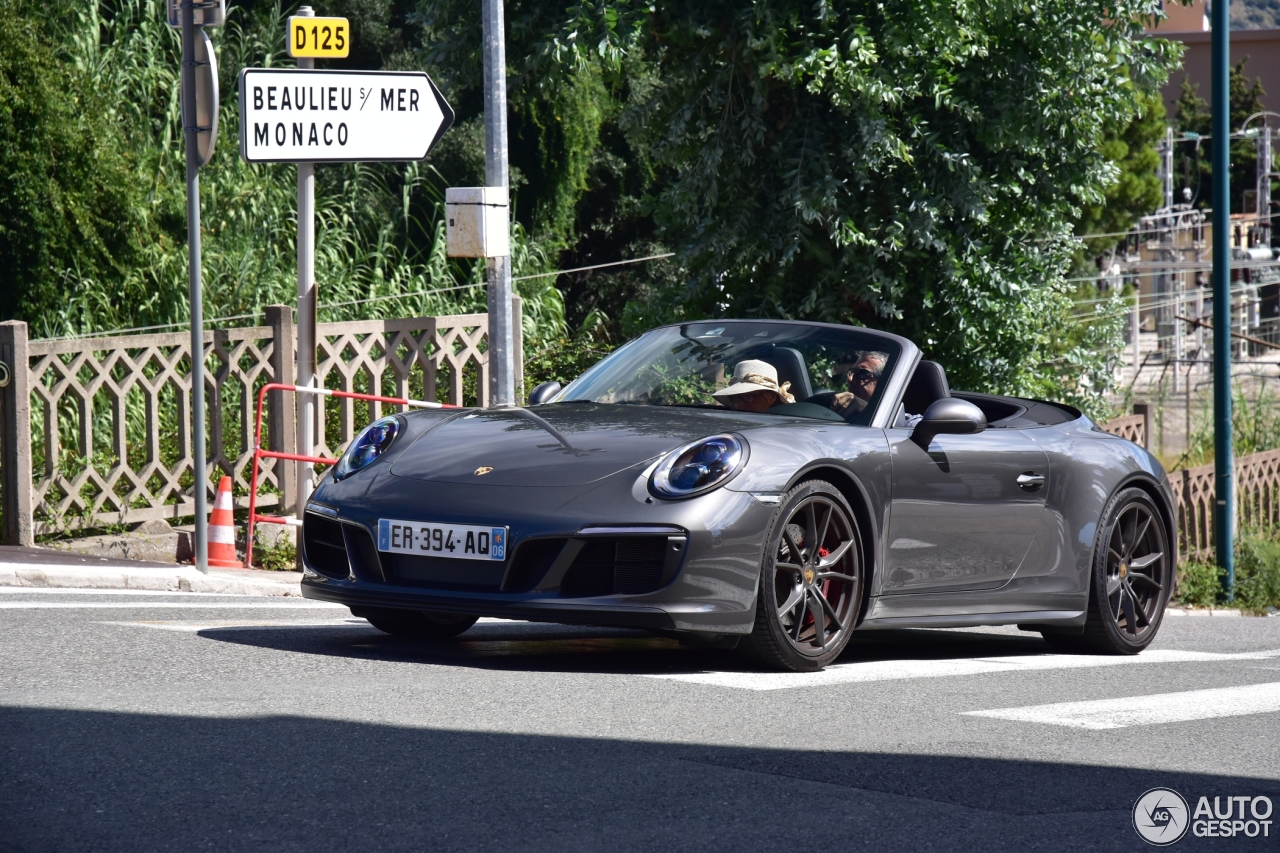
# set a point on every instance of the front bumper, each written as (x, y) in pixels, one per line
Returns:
(678, 566)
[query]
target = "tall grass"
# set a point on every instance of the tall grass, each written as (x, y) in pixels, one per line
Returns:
(379, 227)
(1255, 425)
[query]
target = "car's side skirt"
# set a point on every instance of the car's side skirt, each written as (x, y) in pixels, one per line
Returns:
(1064, 618)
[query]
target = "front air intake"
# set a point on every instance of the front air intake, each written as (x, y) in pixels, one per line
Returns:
(324, 546)
(622, 565)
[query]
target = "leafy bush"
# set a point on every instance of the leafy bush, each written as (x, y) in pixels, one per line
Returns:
(1257, 576)
(563, 358)
(1199, 584)
(276, 554)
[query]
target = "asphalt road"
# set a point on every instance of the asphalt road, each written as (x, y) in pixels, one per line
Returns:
(193, 722)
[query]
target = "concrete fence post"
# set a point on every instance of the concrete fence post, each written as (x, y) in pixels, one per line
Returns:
(281, 429)
(1144, 409)
(15, 429)
(517, 348)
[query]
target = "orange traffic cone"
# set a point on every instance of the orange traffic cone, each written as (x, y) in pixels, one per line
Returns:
(222, 530)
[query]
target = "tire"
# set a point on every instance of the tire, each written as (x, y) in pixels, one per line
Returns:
(1130, 583)
(809, 597)
(416, 624)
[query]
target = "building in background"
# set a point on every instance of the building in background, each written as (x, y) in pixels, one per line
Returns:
(1190, 25)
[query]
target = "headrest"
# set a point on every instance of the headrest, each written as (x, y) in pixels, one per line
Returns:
(928, 383)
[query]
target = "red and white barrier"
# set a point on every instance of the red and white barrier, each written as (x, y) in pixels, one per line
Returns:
(259, 453)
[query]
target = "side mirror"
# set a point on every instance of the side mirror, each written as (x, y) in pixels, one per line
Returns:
(543, 393)
(948, 416)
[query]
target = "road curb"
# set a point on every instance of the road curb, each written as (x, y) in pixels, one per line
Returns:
(1219, 613)
(177, 579)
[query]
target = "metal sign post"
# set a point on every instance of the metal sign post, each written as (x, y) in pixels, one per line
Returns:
(200, 128)
(502, 391)
(307, 308)
(1224, 486)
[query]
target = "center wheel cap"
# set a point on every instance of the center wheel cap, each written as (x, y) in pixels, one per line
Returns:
(808, 575)
(1124, 570)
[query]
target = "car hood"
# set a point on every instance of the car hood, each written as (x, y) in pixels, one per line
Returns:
(562, 444)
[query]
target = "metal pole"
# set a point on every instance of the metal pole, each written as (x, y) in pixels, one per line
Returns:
(502, 390)
(307, 309)
(190, 131)
(1224, 518)
(1263, 195)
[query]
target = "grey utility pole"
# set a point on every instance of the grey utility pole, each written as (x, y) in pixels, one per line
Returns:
(1224, 486)
(191, 131)
(1263, 206)
(307, 310)
(502, 390)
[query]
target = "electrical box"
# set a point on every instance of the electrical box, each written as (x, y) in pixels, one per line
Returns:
(478, 222)
(208, 13)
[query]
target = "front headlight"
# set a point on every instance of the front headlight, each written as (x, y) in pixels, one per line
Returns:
(698, 467)
(371, 443)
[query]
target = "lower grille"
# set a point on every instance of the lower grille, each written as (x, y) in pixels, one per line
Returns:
(324, 546)
(364, 558)
(625, 565)
(638, 564)
(443, 573)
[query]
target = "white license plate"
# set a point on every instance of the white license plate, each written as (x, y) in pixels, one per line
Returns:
(456, 541)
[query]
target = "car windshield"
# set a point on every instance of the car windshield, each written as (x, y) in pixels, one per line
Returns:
(823, 372)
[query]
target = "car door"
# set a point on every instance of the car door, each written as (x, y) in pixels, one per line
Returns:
(963, 513)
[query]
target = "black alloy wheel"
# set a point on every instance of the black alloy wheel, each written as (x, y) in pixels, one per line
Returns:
(1133, 571)
(416, 624)
(810, 581)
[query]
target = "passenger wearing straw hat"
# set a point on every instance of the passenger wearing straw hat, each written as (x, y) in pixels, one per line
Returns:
(754, 388)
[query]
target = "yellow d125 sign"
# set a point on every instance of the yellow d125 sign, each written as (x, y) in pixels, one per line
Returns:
(319, 38)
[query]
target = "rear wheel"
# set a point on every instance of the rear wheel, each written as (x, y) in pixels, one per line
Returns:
(810, 581)
(1132, 579)
(416, 624)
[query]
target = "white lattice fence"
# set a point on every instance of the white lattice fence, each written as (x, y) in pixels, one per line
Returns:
(398, 358)
(1132, 427)
(1257, 482)
(110, 417)
(111, 424)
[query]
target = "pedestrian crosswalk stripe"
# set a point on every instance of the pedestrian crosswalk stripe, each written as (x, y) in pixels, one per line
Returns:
(166, 605)
(1147, 710)
(897, 670)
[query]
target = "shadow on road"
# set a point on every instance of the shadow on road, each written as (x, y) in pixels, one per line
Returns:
(78, 780)
(566, 648)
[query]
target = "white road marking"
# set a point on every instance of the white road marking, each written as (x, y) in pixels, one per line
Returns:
(207, 624)
(1148, 710)
(164, 605)
(897, 670)
(192, 627)
(59, 590)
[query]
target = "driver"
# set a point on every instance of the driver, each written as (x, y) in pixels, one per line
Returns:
(862, 380)
(754, 388)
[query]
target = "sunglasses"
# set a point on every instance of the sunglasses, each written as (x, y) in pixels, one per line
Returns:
(864, 376)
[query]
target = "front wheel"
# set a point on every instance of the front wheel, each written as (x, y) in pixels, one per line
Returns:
(416, 624)
(1133, 570)
(811, 578)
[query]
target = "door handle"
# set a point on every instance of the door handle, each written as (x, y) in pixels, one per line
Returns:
(1031, 481)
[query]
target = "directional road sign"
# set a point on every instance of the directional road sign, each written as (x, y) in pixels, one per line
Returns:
(300, 116)
(319, 38)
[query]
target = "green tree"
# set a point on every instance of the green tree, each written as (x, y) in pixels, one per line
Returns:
(1136, 190)
(915, 165)
(1194, 158)
(68, 204)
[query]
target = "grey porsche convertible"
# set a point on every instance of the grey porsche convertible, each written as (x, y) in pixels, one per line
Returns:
(768, 485)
